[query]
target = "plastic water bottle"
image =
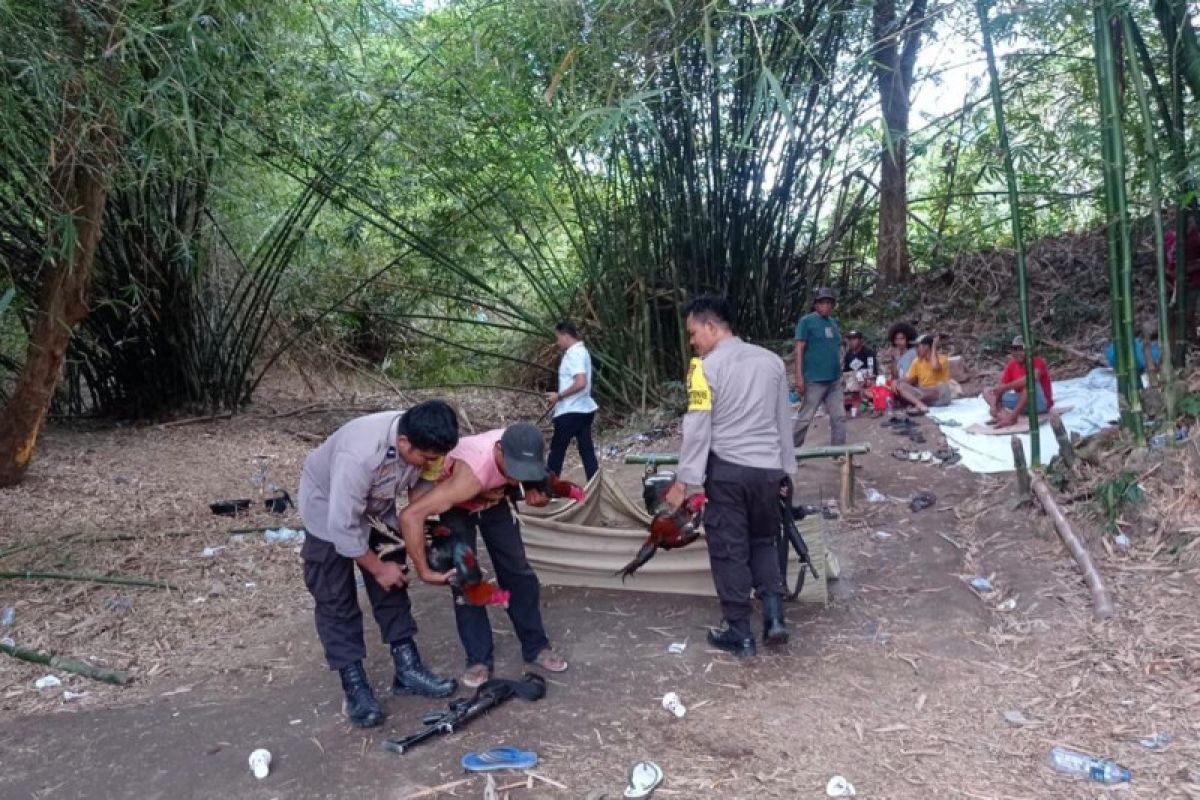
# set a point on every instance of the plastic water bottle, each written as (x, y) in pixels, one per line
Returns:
(889, 405)
(1102, 770)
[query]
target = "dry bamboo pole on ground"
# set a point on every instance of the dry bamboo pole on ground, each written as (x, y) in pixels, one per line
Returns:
(67, 664)
(1102, 605)
(33, 575)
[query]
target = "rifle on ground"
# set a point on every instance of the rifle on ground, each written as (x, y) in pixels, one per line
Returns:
(461, 711)
(790, 536)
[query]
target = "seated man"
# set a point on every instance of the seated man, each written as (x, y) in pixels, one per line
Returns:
(471, 495)
(859, 368)
(928, 380)
(1011, 392)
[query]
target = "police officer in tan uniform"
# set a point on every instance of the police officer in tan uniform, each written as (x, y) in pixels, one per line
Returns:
(737, 445)
(356, 474)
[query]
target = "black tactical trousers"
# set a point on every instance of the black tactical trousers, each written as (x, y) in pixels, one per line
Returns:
(502, 535)
(741, 526)
(329, 577)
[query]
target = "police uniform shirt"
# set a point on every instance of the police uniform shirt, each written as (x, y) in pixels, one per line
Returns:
(737, 411)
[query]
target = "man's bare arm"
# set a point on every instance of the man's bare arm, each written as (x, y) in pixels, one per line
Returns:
(461, 487)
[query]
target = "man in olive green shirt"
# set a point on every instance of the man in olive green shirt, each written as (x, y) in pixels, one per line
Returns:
(819, 369)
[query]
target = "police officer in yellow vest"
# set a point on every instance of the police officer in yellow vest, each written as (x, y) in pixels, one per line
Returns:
(737, 445)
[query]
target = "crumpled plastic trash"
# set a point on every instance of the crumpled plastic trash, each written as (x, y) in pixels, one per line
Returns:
(672, 703)
(284, 535)
(260, 763)
(47, 682)
(676, 648)
(1156, 742)
(874, 495)
(981, 583)
(211, 551)
(839, 787)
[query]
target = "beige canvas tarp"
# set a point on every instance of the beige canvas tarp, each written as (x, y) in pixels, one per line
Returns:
(585, 544)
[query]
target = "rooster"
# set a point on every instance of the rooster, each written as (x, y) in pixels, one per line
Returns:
(445, 553)
(668, 530)
(559, 488)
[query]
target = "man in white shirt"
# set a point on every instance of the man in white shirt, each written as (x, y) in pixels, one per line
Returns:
(574, 408)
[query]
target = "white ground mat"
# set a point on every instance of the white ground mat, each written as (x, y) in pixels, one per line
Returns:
(1094, 406)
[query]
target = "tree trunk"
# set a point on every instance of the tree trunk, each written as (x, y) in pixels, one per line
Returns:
(81, 159)
(895, 53)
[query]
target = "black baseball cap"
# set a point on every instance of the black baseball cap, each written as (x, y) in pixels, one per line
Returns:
(524, 452)
(925, 338)
(854, 335)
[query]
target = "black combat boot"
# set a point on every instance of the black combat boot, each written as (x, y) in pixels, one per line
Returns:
(360, 706)
(775, 630)
(731, 640)
(413, 678)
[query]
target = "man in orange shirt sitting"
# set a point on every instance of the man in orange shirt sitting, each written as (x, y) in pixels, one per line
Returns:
(1011, 392)
(928, 380)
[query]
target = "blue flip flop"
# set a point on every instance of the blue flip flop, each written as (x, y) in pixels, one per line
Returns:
(499, 758)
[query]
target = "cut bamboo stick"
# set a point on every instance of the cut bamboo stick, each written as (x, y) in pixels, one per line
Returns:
(1102, 605)
(74, 665)
(64, 576)
(1065, 448)
(1021, 467)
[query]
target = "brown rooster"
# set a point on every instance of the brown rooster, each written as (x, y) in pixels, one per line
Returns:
(668, 531)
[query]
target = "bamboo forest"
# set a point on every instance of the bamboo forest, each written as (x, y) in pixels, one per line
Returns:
(707, 398)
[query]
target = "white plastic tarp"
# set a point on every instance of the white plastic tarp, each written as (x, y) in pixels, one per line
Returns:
(1093, 399)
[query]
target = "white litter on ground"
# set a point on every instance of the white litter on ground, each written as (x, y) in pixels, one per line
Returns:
(1094, 401)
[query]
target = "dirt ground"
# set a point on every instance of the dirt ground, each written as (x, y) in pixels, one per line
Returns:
(902, 684)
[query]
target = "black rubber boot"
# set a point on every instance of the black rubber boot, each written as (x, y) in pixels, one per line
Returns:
(413, 678)
(361, 707)
(775, 630)
(730, 640)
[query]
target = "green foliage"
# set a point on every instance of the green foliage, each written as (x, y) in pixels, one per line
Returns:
(1189, 404)
(1116, 494)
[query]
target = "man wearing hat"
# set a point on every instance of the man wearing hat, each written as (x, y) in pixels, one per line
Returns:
(818, 369)
(859, 367)
(471, 497)
(928, 380)
(1007, 400)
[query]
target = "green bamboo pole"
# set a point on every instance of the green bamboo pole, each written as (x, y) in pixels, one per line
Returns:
(74, 665)
(1179, 163)
(1129, 382)
(1155, 177)
(1014, 205)
(32, 575)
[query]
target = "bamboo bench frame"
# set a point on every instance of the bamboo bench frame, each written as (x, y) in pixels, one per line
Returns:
(846, 451)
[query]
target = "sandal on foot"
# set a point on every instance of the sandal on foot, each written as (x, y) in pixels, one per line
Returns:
(900, 454)
(551, 661)
(644, 778)
(475, 676)
(499, 758)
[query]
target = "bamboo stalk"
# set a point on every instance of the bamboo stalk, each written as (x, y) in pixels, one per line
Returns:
(1014, 204)
(115, 677)
(1167, 374)
(1102, 605)
(33, 575)
(1120, 270)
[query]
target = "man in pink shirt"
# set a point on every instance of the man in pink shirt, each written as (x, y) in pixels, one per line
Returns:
(471, 496)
